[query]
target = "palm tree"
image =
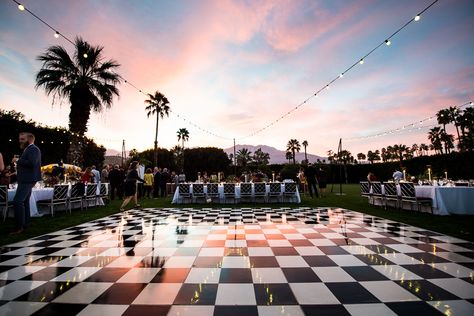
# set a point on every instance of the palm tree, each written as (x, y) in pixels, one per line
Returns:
(435, 139)
(305, 144)
(454, 115)
(88, 82)
(444, 118)
(448, 141)
(293, 146)
(288, 156)
(157, 104)
(361, 156)
(183, 135)
(243, 157)
(423, 149)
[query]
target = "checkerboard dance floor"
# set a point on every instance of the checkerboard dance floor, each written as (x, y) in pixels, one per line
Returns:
(238, 262)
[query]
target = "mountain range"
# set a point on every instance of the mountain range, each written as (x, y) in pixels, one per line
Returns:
(276, 156)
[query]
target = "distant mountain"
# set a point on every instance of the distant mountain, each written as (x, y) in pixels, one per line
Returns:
(276, 156)
(113, 152)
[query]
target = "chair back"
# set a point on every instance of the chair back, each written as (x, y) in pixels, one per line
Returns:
(104, 189)
(60, 192)
(259, 188)
(184, 188)
(78, 190)
(91, 189)
(461, 184)
(376, 188)
(290, 188)
(229, 189)
(275, 188)
(246, 188)
(3, 194)
(408, 190)
(198, 189)
(364, 188)
(390, 189)
(212, 189)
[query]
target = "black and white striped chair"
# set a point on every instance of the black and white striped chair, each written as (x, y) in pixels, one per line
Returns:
(390, 194)
(377, 193)
(408, 194)
(275, 191)
(104, 193)
(260, 191)
(91, 194)
(365, 189)
(229, 191)
(77, 195)
(4, 205)
(184, 191)
(212, 191)
(290, 191)
(198, 192)
(60, 197)
(245, 191)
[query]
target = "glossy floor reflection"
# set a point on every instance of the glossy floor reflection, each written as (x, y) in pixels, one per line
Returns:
(238, 262)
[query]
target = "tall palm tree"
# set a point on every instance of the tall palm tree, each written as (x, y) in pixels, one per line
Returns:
(434, 135)
(454, 115)
(243, 157)
(183, 135)
(87, 81)
(305, 144)
(288, 156)
(443, 116)
(157, 104)
(293, 146)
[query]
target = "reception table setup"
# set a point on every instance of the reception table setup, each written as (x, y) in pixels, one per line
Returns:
(447, 197)
(279, 191)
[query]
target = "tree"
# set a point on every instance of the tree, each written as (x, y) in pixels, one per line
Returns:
(434, 136)
(361, 156)
(466, 122)
(293, 146)
(448, 141)
(261, 158)
(243, 157)
(423, 149)
(289, 156)
(444, 118)
(305, 144)
(183, 135)
(373, 156)
(88, 82)
(157, 104)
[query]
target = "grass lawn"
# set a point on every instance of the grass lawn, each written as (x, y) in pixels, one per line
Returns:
(458, 226)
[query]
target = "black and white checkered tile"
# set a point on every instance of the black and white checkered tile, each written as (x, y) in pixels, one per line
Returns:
(238, 262)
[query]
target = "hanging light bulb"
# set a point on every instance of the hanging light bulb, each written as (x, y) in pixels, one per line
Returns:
(470, 103)
(21, 7)
(388, 42)
(56, 34)
(361, 61)
(327, 87)
(341, 75)
(85, 55)
(417, 18)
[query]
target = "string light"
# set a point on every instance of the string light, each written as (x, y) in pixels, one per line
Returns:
(417, 18)
(56, 34)
(408, 127)
(359, 61)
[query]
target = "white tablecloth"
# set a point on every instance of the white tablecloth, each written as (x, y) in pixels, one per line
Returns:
(449, 200)
(446, 200)
(176, 199)
(36, 195)
(41, 194)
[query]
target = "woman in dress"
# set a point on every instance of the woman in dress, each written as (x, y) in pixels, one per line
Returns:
(86, 177)
(148, 186)
(130, 185)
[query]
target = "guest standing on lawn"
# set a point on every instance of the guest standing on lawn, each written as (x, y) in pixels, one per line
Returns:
(130, 185)
(28, 173)
(116, 182)
(148, 186)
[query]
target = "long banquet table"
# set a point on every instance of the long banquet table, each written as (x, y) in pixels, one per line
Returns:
(176, 197)
(446, 200)
(41, 194)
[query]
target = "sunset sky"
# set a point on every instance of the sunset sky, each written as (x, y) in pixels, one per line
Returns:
(235, 66)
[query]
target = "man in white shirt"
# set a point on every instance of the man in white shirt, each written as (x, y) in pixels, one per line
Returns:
(96, 174)
(397, 175)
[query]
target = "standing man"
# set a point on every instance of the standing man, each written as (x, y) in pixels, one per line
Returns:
(28, 173)
(165, 178)
(157, 182)
(310, 173)
(96, 174)
(115, 182)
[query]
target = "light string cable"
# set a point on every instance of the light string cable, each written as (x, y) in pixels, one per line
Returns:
(418, 125)
(360, 61)
(58, 34)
